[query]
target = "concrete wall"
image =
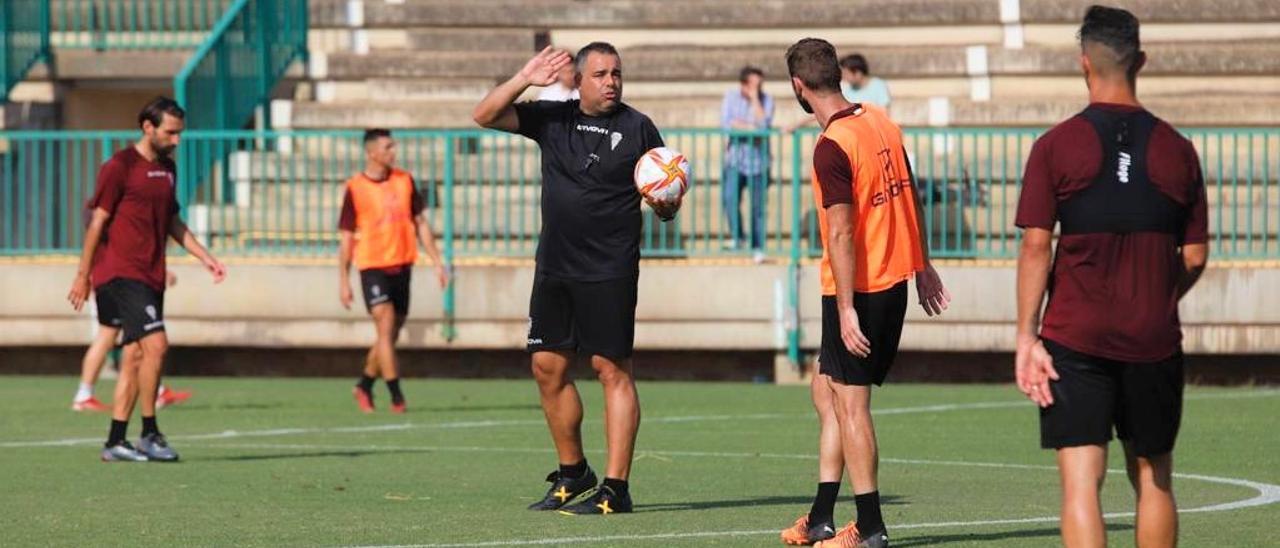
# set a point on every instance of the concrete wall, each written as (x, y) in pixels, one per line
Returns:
(713, 307)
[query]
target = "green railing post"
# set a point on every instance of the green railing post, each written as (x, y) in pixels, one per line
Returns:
(449, 329)
(6, 34)
(793, 266)
(266, 29)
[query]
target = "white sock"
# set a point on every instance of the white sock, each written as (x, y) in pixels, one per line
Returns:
(85, 392)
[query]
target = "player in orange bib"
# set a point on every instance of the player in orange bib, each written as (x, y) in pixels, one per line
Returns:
(873, 241)
(381, 224)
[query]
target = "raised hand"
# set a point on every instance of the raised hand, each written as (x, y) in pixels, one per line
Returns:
(543, 68)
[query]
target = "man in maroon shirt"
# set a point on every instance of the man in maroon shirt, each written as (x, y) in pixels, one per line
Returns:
(135, 211)
(1127, 194)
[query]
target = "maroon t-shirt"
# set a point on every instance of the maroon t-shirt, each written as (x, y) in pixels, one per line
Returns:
(1114, 296)
(139, 195)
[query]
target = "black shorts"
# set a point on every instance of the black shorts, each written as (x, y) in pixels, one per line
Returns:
(106, 310)
(593, 318)
(139, 307)
(881, 315)
(382, 285)
(1142, 401)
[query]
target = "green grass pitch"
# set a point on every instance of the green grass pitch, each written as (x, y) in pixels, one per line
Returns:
(289, 462)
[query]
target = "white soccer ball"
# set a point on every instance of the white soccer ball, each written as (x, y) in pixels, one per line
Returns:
(662, 175)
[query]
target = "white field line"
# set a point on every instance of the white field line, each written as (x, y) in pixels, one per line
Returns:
(1266, 494)
(231, 434)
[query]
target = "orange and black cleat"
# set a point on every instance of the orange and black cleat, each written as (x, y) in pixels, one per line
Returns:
(801, 534)
(849, 537)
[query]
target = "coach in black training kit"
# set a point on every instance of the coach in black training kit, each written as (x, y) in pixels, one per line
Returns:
(588, 265)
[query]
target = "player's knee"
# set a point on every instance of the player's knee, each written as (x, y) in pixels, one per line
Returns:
(155, 344)
(1154, 472)
(547, 372)
(611, 373)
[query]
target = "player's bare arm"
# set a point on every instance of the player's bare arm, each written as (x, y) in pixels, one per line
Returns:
(80, 285)
(1033, 367)
(346, 242)
(180, 233)
(840, 246)
(1194, 259)
(497, 109)
(428, 239)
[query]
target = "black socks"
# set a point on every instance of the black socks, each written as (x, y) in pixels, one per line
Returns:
(117, 433)
(574, 471)
(869, 519)
(366, 383)
(393, 386)
(619, 487)
(824, 503)
(149, 426)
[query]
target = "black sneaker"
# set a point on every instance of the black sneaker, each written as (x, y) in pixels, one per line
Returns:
(564, 489)
(605, 501)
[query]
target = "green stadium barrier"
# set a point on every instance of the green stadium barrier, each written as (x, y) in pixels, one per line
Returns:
(277, 194)
(133, 24)
(24, 40)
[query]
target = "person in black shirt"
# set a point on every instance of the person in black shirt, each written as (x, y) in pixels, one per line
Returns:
(588, 261)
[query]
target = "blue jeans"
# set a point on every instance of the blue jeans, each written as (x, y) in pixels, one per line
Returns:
(731, 184)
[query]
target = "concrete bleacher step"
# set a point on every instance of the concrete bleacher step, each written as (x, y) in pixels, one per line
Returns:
(1253, 110)
(687, 63)
(642, 14)
(1153, 11)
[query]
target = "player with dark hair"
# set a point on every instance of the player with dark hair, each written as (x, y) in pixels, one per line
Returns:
(1126, 192)
(380, 226)
(588, 260)
(135, 211)
(873, 241)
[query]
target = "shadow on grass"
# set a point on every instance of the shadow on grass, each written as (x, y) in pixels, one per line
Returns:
(354, 453)
(475, 408)
(1049, 536)
(801, 502)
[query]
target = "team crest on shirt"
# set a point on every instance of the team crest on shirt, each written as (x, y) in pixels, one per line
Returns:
(614, 139)
(376, 291)
(151, 311)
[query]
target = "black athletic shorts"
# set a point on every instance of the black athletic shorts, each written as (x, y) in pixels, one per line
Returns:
(382, 285)
(1142, 401)
(106, 310)
(880, 316)
(139, 307)
(593, 318)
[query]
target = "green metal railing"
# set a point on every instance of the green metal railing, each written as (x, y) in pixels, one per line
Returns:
(133, 24)
(235, 68)
(24, 40)
(277, 194)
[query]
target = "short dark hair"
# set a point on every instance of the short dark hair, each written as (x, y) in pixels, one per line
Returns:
(155, 110)
(747, 71)
(373, 134)
(598, 47)
(1117, 30)
(813, 61)
(855, 62)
